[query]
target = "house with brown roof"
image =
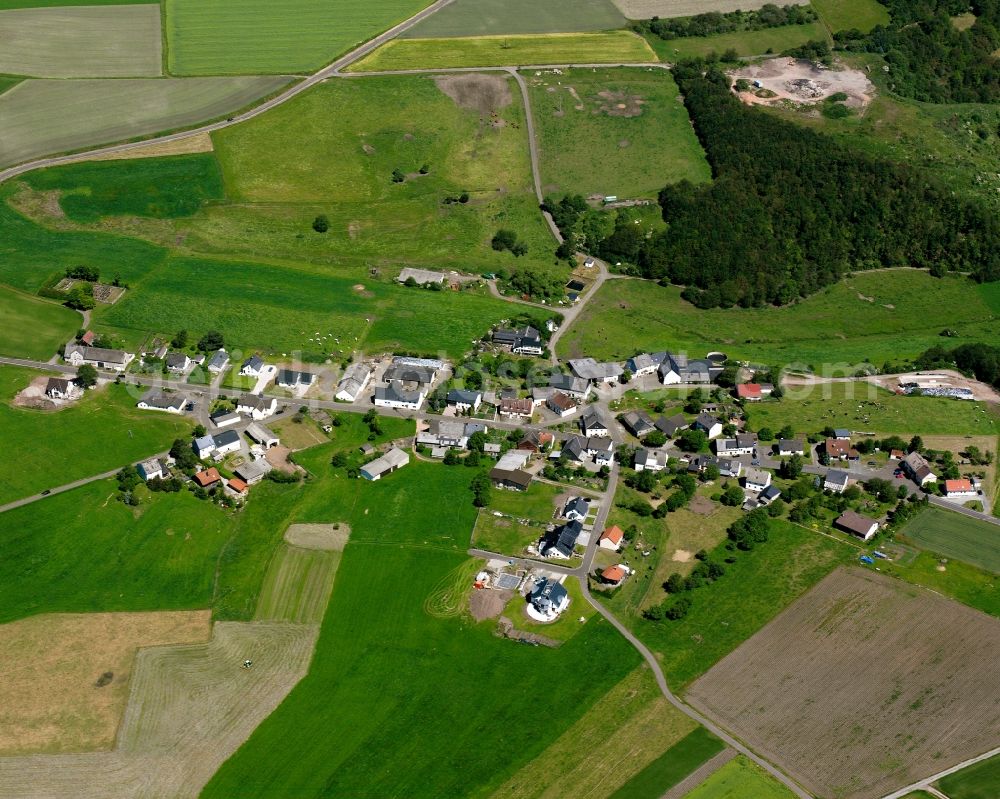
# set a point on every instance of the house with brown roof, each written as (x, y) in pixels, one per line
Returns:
(208, 477)
(513, 479)
(856, 524)
(840, 449)
(560, 404)
(514, 406)
(918, 468)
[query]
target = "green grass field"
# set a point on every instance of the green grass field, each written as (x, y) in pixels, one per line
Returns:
(280, 309)
(969, 585)
(745, 43)
(379, 665)
(376, 125)
(225, 37)
(82, 42)
(874, 316)
(862, 406)
(840, 15)
(102, 431)
(31, 254)
(981, 781)
(614, 47)
(169, 187)
(754, 589)
(740, 779)
(671, 767)
(956, 536)
(7, 4)
(84, 551)
(7, 82)
(509, 535)
(40, 117)
(486, 17)
(34, 328)
(587, 145)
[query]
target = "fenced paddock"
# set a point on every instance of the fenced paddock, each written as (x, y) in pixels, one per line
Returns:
(864, 685)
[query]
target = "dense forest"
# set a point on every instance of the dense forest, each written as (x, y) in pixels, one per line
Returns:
(790, 211)
(929, 58)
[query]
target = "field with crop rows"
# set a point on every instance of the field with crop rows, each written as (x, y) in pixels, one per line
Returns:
(39, 117)
(227, 37)
(82, 42)
(956, 536)
(792, 691)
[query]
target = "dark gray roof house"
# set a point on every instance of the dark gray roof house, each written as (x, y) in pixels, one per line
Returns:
(290, 378)
(672, 426)
(549, 596)
(574, 448)
(562, 540)
(637, 423)
(410, 374)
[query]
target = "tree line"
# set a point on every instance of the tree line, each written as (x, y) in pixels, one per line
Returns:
(713, 22)
(981, 360)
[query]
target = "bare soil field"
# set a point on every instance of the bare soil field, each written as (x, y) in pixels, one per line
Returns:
(189, 709)
(804, 82)
(864, 685)
(646, 9)
(66, 676)
(195, 143)
(482, 93)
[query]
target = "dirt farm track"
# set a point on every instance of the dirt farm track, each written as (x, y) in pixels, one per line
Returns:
(863, 686)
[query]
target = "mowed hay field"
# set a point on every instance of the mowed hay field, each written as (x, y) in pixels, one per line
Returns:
(646, 9)
(33, 327)
(956, 536)
(225, 37)
(45, 117)
(189, 709)
(487, 17)
(82, 42)
(298, 585)
(66, 677)
(839, 15)
(875, 316)
(613, 47)
(864, 685)
(613, 131)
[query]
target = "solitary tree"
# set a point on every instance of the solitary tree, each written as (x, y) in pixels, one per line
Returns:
(321, 224)
(86, 376)
(180, 339)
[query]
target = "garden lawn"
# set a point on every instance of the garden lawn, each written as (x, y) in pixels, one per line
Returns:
(102, 431)
(169, 187)
(754, 589)
(34, 328)
(44, 117)
(379, 665)
(874, 316)
(30, 254)
(84, 551)
(486, 17)
(956, 536)
(740, 779)
(225, 37)
(587, 145)
(840, 15)
(672, 766)
(745, 43)
(969, 585)
(280, 309)
(377, 125)
(614, 47)
(981, 781)
(863, 406)
(82, 41)
(509, 535)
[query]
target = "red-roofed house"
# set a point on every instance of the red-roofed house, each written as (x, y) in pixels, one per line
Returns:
(613, 575)
(749, 391)
(959, 488)
(208, 477)
(612, 538)
(87, 339)
(238, 485)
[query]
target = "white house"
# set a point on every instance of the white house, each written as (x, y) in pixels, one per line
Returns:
(592, 425)
(576, 387)
(225, 419)
(177, 362)
(548, 599)
(648, 460)
(203, 446)
(158, 400)
(61, 388)
(293, 379)
(252, 366)
(611, 538)
(225, 442)
(743, 444)
(596, 372)
(98, 357)
(709, 424)
(464, 400)
(561, 405)
(255, 407)
(963, 487)
(150, 470)
(757, 479)
(791, 446)
(856, 524)
(394, 459)
(602, 450)
(576, 509)
(836, 481)
(395, 396)
(919, 469)
(218, 361)
(354, 381)
(644, 363)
